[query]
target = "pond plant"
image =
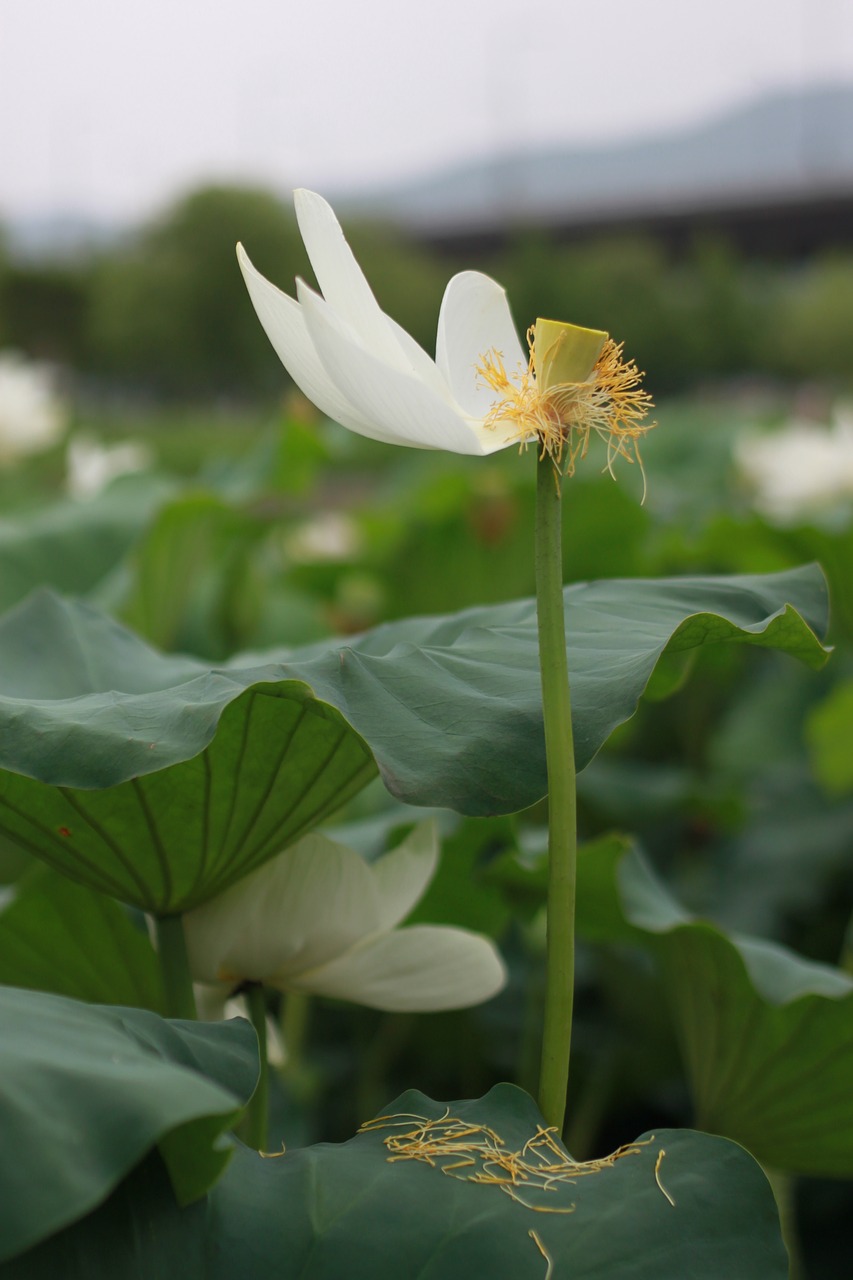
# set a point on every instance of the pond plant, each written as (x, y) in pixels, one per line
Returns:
(151, 783)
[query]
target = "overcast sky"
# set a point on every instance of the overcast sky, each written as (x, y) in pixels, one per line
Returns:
(110, 107)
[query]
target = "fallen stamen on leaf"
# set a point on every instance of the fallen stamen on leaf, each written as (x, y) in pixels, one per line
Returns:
(537, 1208)
(549, 1261)
(273, 1155)
(452, 1145)
(658, 1163)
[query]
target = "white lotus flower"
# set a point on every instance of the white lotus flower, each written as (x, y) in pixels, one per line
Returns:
(480, 394)
(320, 919)
(328, 536)
(31, 415)
(90, 466)
(802, 467)
(361, 369)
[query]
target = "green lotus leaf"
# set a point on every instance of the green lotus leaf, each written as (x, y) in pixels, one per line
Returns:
(677, 1203)
(766, 1036)
(87, 1091)
(160, 780)
(451, 706)
(61, 937)
(73, 545)
(150, 777)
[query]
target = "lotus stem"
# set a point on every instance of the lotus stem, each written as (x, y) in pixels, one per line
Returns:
(562, 803)
(784, 1191)
(179, 1001)
(296, 1011)
(257, 1116)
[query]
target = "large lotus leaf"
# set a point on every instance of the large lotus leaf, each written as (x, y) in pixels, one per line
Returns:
(61, 937)
(767, 1037)
(73, 545)
(186, 572)
(677, 1204)
(451, 707)
(151, 777)
(86, 1092)
(139, 1233)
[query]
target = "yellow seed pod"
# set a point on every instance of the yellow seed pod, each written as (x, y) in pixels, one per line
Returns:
(565, 353)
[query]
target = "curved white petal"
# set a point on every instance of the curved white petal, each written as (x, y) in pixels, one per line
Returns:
(420, 969)
(401, 877)
(342, 281)
(421, 365)
(411, 412)
(474, 318)
(211, 999)
(313, 902)
(283, 323)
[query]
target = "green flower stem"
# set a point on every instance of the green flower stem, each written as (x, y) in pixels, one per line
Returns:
(178, 995)
(784, 1188)
(257, 1116)
(562, 806)
(295, 1014)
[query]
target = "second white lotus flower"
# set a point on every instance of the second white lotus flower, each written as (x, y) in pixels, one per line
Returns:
(320, 919)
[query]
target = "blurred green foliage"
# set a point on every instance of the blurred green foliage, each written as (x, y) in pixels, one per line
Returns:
(46, 307)
(735, 773)
(169, 310)
(165, 311)
(816, 320)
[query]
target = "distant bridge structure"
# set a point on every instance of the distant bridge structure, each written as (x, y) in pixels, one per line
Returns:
(774, 176)
(781, 225)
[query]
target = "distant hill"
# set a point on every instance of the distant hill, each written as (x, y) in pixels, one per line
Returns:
(778, 147)
(59, 236)
(782, 150)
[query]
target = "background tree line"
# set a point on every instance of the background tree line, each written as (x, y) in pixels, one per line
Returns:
(165, 312)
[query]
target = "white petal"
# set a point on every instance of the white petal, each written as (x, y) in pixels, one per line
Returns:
(474, 318)
(345, 288)
(397, 403)
(311, 903)
(284, 325)
(341, 279)
(401, 877)
(420, 969)
(211, 999)
(420, 364)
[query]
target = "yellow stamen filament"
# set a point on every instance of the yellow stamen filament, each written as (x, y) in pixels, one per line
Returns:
(561, 419)
(661, 1187)
(541, 1166)
(549, 1261)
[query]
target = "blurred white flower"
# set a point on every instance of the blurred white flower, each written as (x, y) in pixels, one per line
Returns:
(803, 466)
(320, 919)
(329, 536)
(31, 414)
(91, 466)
